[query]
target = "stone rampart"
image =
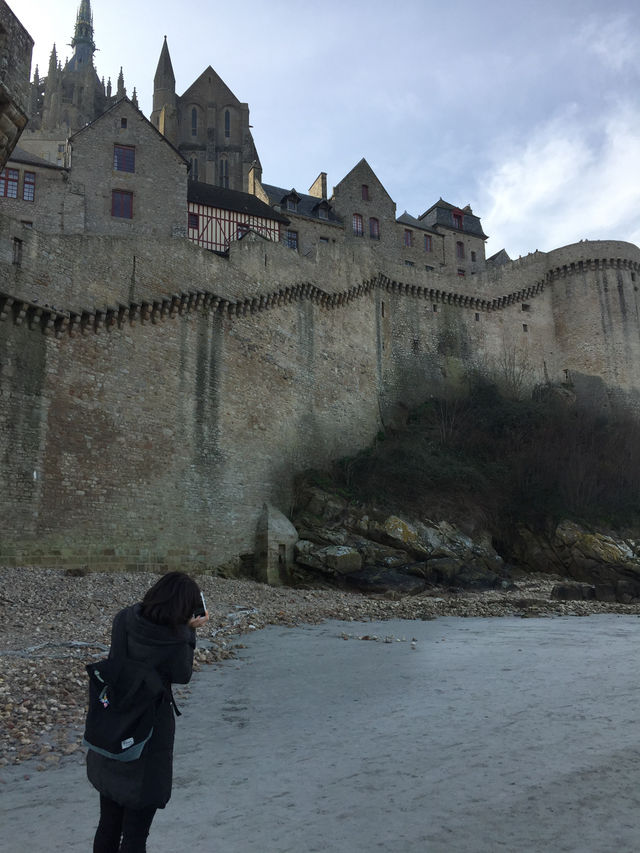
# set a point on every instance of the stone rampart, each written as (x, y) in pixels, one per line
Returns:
(145, 422)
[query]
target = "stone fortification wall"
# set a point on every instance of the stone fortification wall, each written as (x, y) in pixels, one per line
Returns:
(150, 431)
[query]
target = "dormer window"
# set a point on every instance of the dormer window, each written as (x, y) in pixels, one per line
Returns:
(292, 204)
(457, 220)
(323, 213)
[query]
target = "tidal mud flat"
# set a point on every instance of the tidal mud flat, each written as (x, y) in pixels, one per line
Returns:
(448, 736)
(53, 622)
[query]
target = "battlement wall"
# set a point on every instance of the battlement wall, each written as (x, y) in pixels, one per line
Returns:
(149, 431)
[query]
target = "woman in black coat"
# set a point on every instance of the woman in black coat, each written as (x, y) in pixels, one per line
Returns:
(159, 632)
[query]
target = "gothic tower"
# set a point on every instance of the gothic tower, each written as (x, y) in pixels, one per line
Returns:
(70, 96)
(207, 124)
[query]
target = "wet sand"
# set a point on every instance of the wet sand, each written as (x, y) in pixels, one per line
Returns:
(484, 735)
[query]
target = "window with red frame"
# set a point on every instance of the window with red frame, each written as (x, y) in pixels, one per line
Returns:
(457, 220)
(374, 229)
(365, 192)
(408, 237)
(428, 243)
(122, 204)
(29, 186)
(9, 183)
(193, 220)
(460, 250)
(358, 229)
(124, 158)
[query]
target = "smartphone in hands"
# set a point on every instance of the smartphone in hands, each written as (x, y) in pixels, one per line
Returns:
(201, 609)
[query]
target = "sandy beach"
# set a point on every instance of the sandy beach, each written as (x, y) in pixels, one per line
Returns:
(447, 735)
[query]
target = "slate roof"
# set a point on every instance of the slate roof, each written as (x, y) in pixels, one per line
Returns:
(407, 219)
(19, 155)
(307, 204)
(441, 213)
(225, 199)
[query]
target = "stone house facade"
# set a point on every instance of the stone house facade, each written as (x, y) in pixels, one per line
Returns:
(131, 179)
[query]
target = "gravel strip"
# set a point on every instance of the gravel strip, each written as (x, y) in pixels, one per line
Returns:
(52, 623)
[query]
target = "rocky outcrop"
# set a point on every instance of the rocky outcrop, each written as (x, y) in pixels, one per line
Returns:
(608, 564)
(365, 549)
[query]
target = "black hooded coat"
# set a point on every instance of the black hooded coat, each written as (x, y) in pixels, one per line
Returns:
(147, 780)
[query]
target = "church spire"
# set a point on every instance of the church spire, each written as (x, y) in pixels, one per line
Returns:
(165, 78)
(82, 42)
(53, 63)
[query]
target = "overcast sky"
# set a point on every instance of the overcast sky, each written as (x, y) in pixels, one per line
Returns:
(529, 111)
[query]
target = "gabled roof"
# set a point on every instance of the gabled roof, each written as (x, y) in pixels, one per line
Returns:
(307, 204)
(19, 155)
(141, 115)
(225, 199)
(364, 166)
(216, 80)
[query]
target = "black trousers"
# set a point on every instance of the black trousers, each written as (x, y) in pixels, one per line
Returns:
(116, 822)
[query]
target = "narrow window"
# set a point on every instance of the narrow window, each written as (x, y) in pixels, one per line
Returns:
(17, 251)
(435, 309)
(193, 220)
(124, 158)
(323, 213)
(357, 225)
(193, 172)
(460, 251)
(292, 240)
(382, 308)
(29, 186)
(374, 229)
(525, 328)
(227, 124)
(224, 172)
(428, 243)
(9, 183)
(457, 220)
(408, 237)
(473, 257)
(123, 123)
(194, 121)
(365, 192)
(292, 204)
(122, 204)
(477, 316)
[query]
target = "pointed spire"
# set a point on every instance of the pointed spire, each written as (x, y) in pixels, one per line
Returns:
(53, 62)
(134, 98)
(82, 41)
(121, 89)
(36, 77)
(164, 78)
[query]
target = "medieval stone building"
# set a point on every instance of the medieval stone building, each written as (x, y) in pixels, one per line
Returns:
(207, 124)
(15, 61)
(70, 96)
(173, 352)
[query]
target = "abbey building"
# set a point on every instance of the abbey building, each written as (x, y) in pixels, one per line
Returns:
(180, 336)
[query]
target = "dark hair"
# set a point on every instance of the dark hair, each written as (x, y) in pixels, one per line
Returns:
(172, 600)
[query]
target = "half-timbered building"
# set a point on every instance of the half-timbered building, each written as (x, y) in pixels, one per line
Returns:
(218, 216)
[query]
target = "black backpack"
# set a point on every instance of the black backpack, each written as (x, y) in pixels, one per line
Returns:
(124, 696)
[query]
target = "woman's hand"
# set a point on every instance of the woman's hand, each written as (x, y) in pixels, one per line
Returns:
(198, 621)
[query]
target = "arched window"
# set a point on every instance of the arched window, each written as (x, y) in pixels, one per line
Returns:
(224, 172)
(194, 121)
(193, 174)
(227, 124)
